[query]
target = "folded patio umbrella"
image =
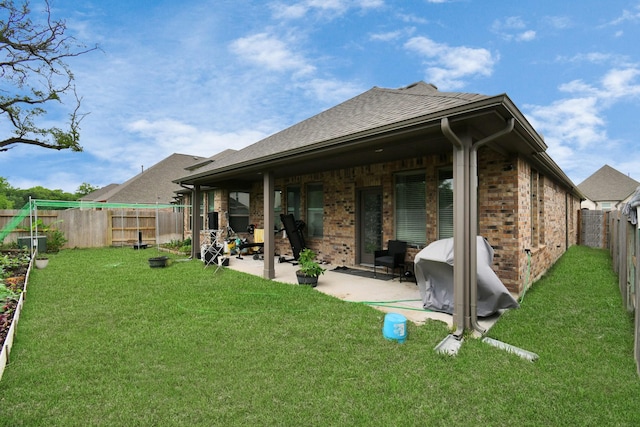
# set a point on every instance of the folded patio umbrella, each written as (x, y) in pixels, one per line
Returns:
(434, 275)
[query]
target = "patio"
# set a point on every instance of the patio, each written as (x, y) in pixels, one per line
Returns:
(385, 295)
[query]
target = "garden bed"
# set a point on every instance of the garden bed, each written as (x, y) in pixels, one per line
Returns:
(15, 266)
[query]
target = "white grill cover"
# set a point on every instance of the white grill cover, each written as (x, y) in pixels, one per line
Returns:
(434, 275)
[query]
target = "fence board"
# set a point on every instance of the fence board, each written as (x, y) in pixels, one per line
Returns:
(85, 228)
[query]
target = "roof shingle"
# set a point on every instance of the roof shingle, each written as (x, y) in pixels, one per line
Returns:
(608, 184)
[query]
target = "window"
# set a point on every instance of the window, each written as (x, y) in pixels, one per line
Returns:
(211, 201)
(238, 210)
(315, 210)
(293, 201)
(277, 207)
(202, 224)
(211, 211)
(410, 209)
(535, 208)
(445, 203)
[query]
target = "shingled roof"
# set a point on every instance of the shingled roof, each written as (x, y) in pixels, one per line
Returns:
(372, 109)
(608, 184)
(154, 185)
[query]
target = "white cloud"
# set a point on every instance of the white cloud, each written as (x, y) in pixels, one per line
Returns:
(592, 57)
(616, 84)
(509, 23)
(449, 66)
(392, 35)
(513, 28)
(526, 36)
(627, 16)
(169, 134)
(558, 22)
(621, 83)
(324, 8)
(269, 51)
(576, 127)
(412, 18)
(573, 120)
(330, 92)
(294, 11)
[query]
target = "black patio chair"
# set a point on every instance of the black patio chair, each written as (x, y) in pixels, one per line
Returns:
(391, 258)
(294, 230)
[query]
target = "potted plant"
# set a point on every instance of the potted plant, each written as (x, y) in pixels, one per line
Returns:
(41, 261)
(309, 268)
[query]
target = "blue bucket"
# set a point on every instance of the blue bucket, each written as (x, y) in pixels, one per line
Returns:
(395, 327)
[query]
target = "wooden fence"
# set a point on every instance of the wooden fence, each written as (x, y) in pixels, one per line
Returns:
(99, 228)
(593, 228)
(624, 245)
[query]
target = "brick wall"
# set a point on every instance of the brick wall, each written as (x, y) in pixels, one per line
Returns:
(504, 217)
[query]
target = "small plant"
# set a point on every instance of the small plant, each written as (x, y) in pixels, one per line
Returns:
(55, 237)
(7, 293)
(183, 246)
(55, 240)
(10, 263)
(308, 265)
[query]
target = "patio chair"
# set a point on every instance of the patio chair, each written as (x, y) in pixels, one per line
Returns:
(391, 258)
(293, 229)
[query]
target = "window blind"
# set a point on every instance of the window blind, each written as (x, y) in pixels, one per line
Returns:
(410, 214)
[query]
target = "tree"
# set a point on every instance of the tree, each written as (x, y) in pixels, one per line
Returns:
(33, 73)
(84, 189)
(5, 188)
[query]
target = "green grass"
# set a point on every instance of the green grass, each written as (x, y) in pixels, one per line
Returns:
(106, 340)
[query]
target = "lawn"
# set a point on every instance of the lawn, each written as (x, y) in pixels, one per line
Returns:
(106, 340)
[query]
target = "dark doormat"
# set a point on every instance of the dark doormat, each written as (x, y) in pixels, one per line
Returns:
(362, 273)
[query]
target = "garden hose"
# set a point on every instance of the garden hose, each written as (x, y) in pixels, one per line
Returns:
(389, 304)
(526, 282)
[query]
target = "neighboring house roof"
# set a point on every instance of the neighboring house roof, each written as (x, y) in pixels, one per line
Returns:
(154, 185)
(608, 184)
(381, 125)
(96, 195)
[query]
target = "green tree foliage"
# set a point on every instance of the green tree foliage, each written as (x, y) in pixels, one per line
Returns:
(84, 189)
(15, 198)
(34, 74)
(5, 203)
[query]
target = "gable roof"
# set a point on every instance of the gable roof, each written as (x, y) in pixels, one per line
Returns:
(204, 162)
(154, 185)
(608, 184)
(96, 195)
(382, 125)
(372, 109)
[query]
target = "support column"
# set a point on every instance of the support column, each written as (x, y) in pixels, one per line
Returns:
(269, 222)
(196, 223)
(465, 223)
(462, 235)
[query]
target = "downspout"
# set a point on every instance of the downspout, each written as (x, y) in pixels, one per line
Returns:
(566, 221)
(472, 186)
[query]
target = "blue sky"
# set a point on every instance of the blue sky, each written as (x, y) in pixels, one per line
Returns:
(200, 76)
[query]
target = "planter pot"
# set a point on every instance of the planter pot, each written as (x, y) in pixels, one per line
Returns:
(157, 262)
(41, 263)
(306, 280)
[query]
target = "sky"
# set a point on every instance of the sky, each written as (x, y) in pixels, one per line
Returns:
(200, 76)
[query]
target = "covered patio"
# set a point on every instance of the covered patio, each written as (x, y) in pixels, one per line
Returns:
(385, 295)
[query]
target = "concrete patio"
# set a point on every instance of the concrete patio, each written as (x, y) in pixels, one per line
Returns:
(385, 295)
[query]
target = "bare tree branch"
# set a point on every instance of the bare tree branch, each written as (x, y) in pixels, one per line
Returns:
(33, 73)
